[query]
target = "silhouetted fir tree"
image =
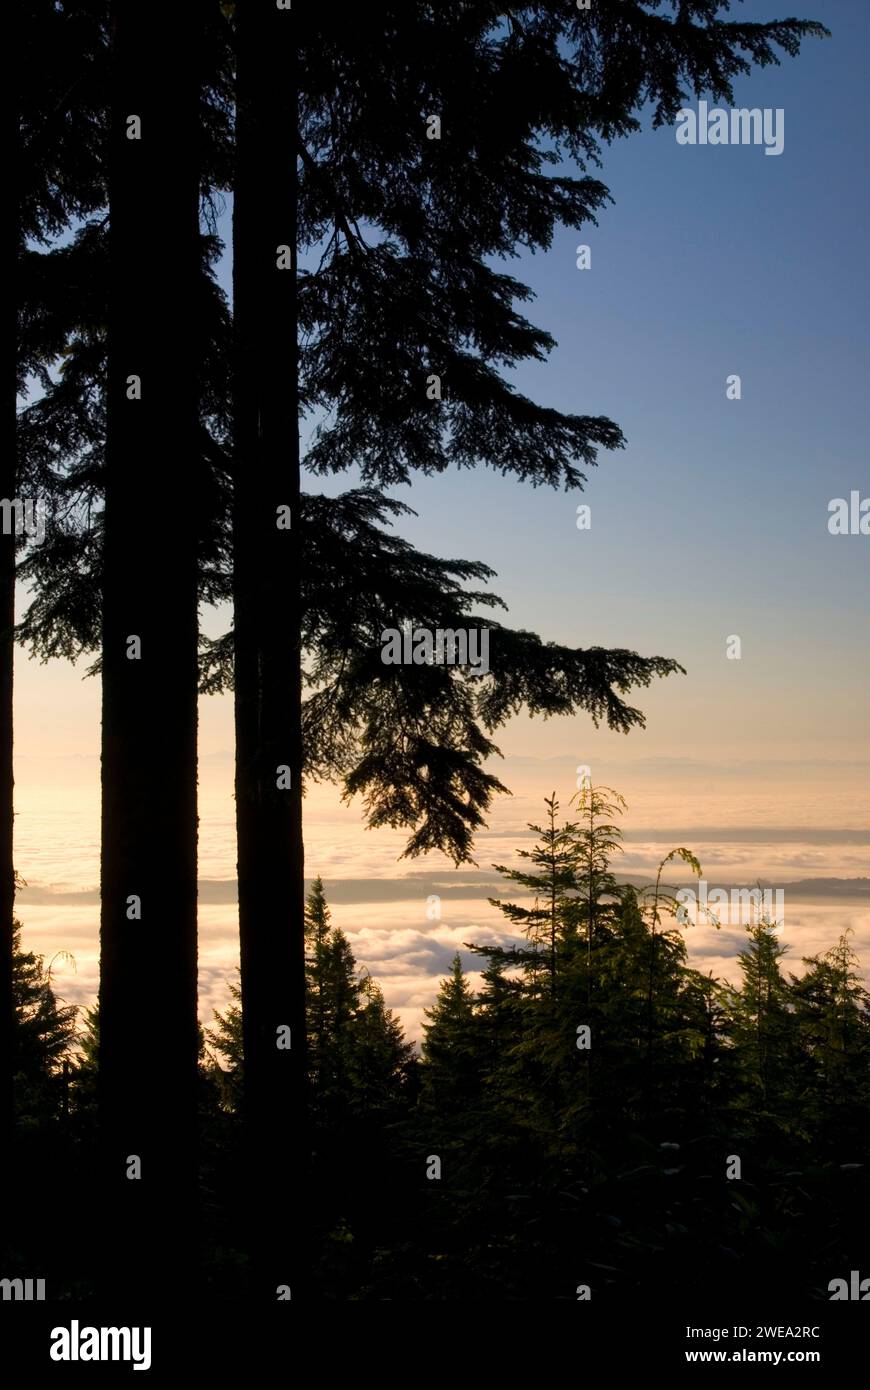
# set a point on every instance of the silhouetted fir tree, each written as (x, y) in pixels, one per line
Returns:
(549, 1129)
(450, 1080)
(43, 1039)
(707, 1080)
(499, 1021)
(357, 1053)
(371, 1168)
(763, 1027)
(53, 125)
(604, 974)
(43, 1056)
(226, 1039)
(148, 1080)
(86, 1066)
(333, 997)
(381, 1061)
(591, 916)
(317, 929)
(267, 624)
(538, 1055)
(361, 1082)
(64, 311)
(555, 859)
(405, 323)
(831, 1009)
(505, 1134)
(339, 1000)
(577, 902)
(62, 441)
(666, 948)
(63, 332)
(598, 839)
(662, 1025)
(360, 1065)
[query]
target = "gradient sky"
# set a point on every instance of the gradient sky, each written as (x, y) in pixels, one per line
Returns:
(712, 522)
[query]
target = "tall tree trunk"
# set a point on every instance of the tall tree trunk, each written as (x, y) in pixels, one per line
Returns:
(267, 619)
(8, 488)
(148, 1021)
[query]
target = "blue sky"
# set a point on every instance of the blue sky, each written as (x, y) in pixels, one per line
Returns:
(713, 521)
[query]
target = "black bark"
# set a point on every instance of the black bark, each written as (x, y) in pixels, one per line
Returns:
(267, 623)
(148, 987)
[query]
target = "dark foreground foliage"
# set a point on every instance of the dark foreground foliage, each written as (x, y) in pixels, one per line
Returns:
(597, 1113)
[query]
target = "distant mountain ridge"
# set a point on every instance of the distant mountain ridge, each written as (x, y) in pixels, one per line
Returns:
(464, 884)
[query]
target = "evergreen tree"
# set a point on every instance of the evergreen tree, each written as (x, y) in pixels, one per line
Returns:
(226, 1039)
(598, 839)
(43, 1051)
(536, 1086)
(358, 1057)
(52, 136)
(709, 1077)
(340, 994)
(450, 1078)
(43, 1040)
(381, 1060)
(317, 929)
(552, 884)
(618, 990)
(361, 1073)
(360, 1060)
(85, 1076)
(267, 636)
(831, 1010)
(149, 1080)
(664, 941)
(499, 1015)
(762, 1023)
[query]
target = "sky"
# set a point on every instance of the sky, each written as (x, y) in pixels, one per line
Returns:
(711, 524)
